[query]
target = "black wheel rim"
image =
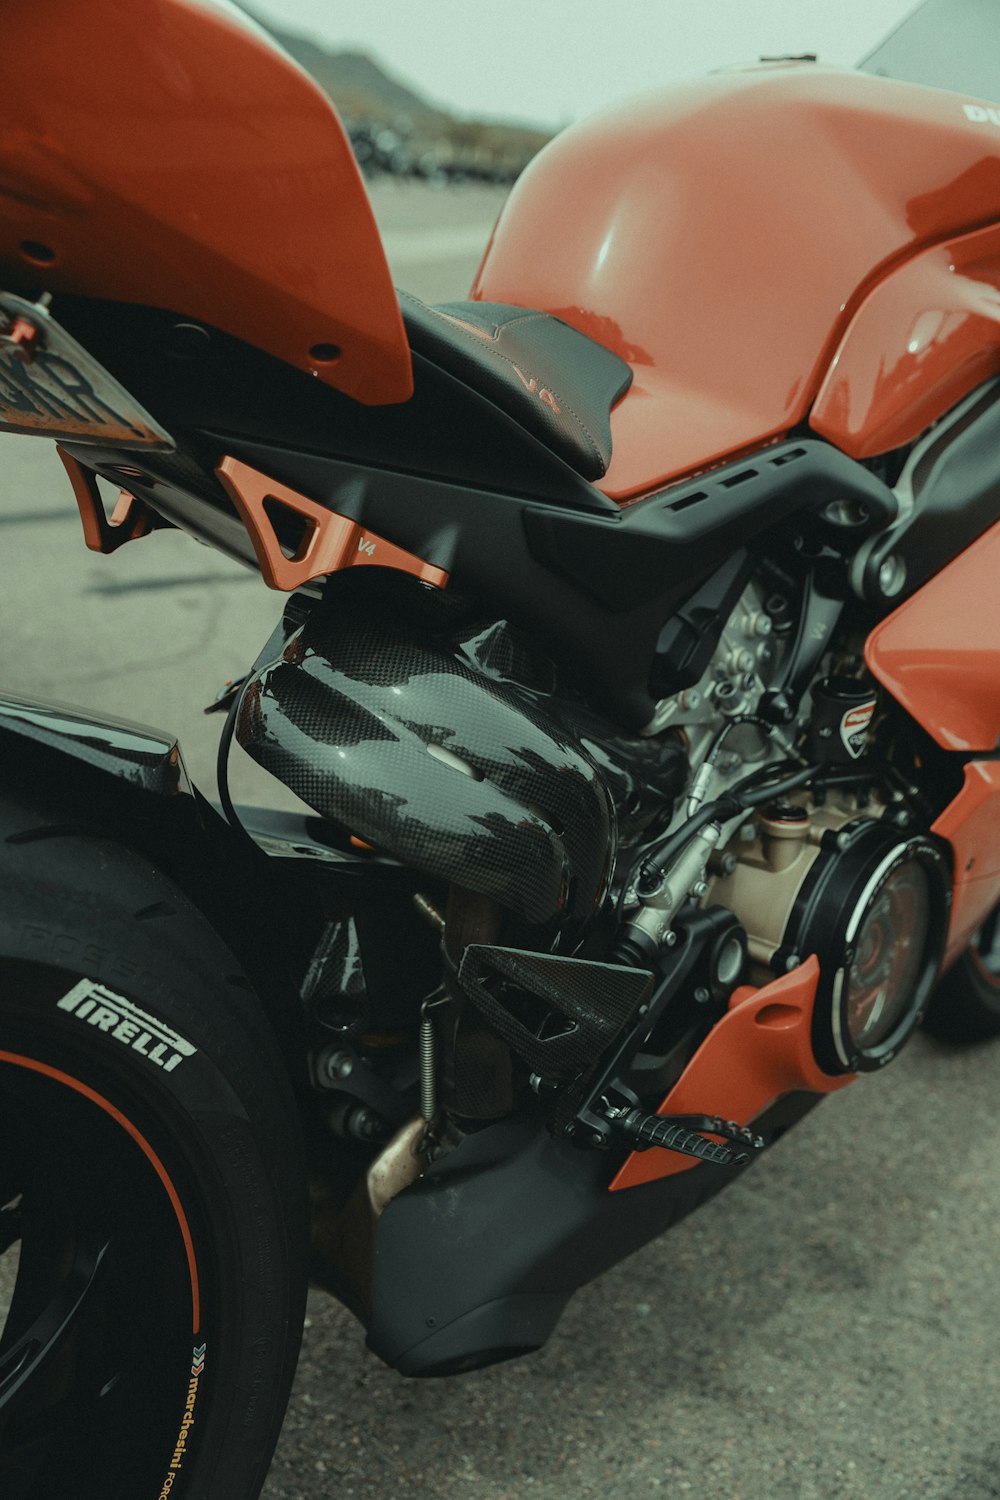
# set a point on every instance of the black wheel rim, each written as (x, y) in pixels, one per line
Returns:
(96, 1345)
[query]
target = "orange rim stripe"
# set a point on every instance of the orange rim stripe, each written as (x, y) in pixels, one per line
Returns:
(144, 1146)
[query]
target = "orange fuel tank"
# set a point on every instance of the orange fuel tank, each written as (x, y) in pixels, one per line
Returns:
(167, 152)
(722, 237)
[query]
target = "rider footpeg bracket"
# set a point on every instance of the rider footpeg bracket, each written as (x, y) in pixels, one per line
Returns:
(690, 1135)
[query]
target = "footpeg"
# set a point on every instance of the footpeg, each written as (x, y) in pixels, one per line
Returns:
(686, 1134)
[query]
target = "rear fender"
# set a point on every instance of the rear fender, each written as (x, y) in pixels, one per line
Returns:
(111, 778)
(148, 760)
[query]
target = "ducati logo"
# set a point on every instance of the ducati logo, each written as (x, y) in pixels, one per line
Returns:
(979, 114)
(854, 728)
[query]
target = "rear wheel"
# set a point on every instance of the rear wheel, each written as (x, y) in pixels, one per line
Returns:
(152, 1204)
(966, 1003)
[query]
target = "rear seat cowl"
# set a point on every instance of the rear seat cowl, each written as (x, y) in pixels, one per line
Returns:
(556, 382)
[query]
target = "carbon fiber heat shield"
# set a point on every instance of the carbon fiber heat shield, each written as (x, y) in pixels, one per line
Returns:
(391, 735)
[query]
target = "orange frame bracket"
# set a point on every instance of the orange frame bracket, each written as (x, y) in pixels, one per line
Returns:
(130, 519)
(327, 543)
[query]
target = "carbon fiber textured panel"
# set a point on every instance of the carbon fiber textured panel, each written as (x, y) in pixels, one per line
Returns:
(387, 732)
(592, 1002)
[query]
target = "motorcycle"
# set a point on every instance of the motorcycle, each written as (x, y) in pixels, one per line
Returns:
(636, 671)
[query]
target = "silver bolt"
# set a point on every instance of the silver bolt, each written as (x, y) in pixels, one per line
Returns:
(891, 576)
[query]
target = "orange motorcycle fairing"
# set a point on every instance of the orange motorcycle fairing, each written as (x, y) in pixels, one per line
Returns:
(721, 238)
(168, 153)
(923, 338)
(938, 654)
(971, 825)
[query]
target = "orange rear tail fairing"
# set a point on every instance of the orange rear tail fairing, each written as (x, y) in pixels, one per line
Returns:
(167, 153)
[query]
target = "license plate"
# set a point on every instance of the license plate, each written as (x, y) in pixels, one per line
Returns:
(51, 386)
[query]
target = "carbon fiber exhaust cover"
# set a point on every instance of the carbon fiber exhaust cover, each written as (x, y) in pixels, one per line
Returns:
(410, 748)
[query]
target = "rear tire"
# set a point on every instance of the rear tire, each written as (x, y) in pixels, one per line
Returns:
(966, 1003)
(151, 1182)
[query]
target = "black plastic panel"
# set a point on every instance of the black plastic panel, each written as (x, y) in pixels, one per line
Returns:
(457, 482)
(145, 758)
(956, 487)
(447, 430)
(476, 1260)
(690, 528)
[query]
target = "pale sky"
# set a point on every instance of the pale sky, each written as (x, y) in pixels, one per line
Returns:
(551, 61)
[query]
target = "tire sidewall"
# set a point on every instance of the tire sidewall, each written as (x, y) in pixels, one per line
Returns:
(220, 1120)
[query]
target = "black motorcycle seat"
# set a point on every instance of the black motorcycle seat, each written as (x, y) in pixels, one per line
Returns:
(553, 380)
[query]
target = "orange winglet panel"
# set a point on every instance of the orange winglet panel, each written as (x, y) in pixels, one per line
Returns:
(759, 1051)
(971, 824)
(923, 338)
(327, 543)
(938, 654)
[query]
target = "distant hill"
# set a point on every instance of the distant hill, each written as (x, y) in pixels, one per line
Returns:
(371, 103)
(356, 83)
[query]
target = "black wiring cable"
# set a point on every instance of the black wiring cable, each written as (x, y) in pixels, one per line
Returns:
(222, 768)
(706, 770)
(734, 723)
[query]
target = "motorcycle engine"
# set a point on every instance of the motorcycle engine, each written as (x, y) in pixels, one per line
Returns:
(830, 870)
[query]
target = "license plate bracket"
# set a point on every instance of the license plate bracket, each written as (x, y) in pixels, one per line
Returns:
(51, 387)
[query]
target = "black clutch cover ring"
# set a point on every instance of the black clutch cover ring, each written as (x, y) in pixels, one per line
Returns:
(840, 915)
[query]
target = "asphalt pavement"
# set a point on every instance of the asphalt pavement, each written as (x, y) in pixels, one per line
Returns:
(826, 1329)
